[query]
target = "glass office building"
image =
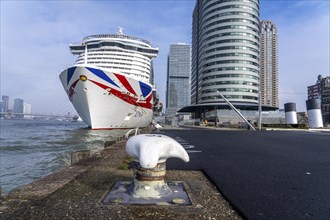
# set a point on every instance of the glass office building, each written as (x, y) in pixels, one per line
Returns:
(178, 78)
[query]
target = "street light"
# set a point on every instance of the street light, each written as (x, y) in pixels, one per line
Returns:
(259, 109)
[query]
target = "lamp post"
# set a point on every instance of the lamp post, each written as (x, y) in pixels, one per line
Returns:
(259, 109)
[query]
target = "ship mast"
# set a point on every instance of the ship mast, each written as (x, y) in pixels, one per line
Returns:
(120, 31)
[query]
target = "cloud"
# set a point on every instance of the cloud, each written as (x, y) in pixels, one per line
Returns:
(35, 37)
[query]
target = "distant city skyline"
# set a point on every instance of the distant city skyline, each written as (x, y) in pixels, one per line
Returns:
(7, 105)
(19, 109)
(10, 102)
(8, 110)
(35, 37)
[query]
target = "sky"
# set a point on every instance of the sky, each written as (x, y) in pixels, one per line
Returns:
(35, 36)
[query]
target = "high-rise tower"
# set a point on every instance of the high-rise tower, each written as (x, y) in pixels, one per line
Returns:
(225, 51)
(178, 78)
(5, 100)
(19, 108)
(269, 64)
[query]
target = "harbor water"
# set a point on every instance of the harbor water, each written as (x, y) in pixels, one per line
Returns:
(31, 149)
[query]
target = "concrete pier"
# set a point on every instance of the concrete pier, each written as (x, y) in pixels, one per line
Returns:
(76, 192)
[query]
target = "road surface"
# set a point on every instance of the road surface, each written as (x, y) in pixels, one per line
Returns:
(263, 174)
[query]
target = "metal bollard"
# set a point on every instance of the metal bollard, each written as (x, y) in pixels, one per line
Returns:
(149, 183)
(150, 152)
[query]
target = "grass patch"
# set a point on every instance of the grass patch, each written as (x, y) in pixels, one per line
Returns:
(125, 164)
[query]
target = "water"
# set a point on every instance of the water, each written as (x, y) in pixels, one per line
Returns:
(30, 149)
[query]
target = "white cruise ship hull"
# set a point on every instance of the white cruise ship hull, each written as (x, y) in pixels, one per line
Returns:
(106, 100)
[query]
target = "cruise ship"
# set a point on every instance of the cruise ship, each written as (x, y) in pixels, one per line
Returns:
(110, 84)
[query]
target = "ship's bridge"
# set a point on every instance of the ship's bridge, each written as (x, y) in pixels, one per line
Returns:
(145, 49)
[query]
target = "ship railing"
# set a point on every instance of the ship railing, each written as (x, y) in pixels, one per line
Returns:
(137, 131)
(115, 36)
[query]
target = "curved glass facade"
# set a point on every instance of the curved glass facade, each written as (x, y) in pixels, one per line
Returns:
(225, 51)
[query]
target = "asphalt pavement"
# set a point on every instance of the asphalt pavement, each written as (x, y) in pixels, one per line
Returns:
(263, 174)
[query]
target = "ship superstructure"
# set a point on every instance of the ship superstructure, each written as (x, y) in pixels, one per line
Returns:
(110, 84)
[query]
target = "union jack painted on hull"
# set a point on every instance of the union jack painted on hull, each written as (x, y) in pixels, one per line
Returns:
(107, 100)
